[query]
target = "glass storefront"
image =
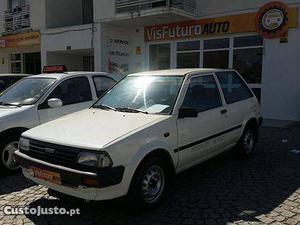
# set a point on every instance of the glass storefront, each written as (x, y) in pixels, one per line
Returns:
(243, 53)
(28, 63)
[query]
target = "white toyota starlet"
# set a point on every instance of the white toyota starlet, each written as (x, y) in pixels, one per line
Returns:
(145, 129)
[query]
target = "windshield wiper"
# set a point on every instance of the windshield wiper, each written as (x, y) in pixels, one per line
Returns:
(105, 107)
(9, 104)
(130, 110)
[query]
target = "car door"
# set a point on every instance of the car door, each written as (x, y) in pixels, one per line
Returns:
(198, 138)
(75, 94)
(240, 101)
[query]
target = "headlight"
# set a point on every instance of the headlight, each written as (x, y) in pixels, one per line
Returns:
(24, 144)
(95, 159)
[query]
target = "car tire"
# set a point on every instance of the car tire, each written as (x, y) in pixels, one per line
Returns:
(150, 184)
(247, 142)
(8, 146)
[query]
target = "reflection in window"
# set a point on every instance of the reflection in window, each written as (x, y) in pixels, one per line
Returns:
(160, 58)
(234, 88)
(188, 54)
(249, 63)
(202, 94)
(216, 59)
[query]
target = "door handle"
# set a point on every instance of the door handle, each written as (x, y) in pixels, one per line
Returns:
(224, 111)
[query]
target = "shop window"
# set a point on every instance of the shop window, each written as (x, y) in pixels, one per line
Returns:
(216, 53)
(216, 43)
(216, 59)
(188, 54)
(16, 63)
(248, 41)
(160, 56)
(248, 57)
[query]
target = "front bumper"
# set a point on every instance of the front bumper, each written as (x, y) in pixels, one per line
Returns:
(71, 179)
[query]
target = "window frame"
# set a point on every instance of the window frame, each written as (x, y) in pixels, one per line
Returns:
(217, 88)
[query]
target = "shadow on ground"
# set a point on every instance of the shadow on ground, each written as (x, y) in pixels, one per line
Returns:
(222, 190)
(13, 183)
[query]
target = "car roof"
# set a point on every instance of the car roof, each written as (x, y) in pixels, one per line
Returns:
(179, 72)
(14, 75)
(59, 76)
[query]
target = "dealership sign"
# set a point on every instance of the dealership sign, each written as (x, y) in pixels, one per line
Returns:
(20, 40)
(273, 20)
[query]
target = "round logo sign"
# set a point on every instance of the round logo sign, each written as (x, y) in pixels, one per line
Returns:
(271, 20)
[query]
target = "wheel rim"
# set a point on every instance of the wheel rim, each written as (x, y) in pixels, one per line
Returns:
(248, 142)
(7, 156)
(153, 184)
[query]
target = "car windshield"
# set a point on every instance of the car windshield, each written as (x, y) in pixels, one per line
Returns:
(26, 92)
(142, 94)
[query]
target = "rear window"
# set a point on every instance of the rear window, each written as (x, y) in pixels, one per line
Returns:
(234, 88)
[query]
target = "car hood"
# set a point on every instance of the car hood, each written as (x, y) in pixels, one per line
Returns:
(92, 128)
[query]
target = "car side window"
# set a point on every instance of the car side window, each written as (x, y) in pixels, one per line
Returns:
(102, 84)
(234, 88)
(72, 91)
(203, 94)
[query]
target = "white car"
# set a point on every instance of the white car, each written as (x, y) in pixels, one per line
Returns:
(148, 127)
(40, 98)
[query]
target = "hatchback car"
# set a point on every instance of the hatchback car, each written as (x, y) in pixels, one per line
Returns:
(41, 98)
(148, 127)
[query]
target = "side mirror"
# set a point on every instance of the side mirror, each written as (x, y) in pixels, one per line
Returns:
(187, 113)
(55, 103)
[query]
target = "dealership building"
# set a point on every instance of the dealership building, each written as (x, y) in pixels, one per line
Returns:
(259, 38)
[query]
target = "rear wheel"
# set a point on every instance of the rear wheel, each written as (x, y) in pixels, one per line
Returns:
(247, 142)
(7, 149)
(150, 184)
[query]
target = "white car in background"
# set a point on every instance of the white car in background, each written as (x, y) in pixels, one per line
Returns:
(41, 98)
(148, 127)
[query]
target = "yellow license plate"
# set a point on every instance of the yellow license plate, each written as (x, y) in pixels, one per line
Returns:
(45, 175)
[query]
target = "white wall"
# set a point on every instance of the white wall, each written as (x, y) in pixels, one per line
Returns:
(104, 9)
(64, 14)
(281, 78)
(135, 38)
(72, 62)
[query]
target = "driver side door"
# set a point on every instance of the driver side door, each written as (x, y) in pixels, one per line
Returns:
(197, 136)
(75, 94)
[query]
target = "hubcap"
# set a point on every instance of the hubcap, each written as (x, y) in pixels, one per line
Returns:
(153, 184)
(248, 142)
(7, 156)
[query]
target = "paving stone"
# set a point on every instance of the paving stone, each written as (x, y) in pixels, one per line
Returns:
(264, 189)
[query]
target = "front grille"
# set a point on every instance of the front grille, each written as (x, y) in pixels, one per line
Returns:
(52, 153)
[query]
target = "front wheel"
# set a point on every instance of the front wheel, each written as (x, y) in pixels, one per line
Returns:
(247, 142)
(150, 184)
(7, 149)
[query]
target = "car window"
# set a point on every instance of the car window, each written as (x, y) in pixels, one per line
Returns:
(72, 91)
(202, 94)
(102, 84)
(234, 88)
